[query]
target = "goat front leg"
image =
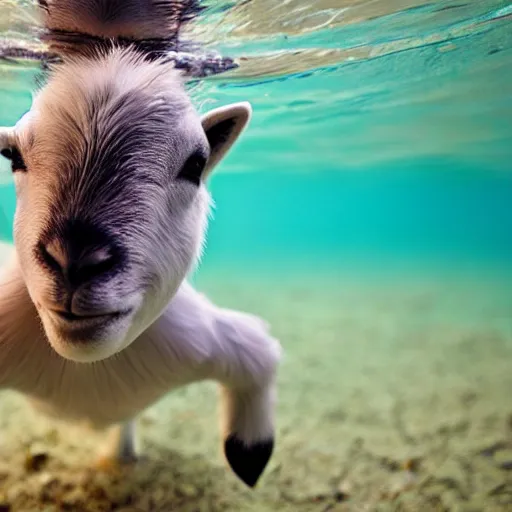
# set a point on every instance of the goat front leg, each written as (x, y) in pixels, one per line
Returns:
(245, 366)
(196, 341)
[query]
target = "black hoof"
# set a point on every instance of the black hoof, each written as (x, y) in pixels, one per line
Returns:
(248, 461)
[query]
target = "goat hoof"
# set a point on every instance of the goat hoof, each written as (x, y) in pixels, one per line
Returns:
(248, 461)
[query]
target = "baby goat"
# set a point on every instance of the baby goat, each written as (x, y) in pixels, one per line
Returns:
(97, 320)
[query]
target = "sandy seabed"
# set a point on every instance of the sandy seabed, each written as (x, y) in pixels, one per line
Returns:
(393, 396)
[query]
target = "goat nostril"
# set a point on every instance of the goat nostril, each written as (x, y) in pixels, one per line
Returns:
(96, 257)
(79, 268)
(49, 257)
(91, 265)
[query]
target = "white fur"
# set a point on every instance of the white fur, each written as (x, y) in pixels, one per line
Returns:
(192, 341)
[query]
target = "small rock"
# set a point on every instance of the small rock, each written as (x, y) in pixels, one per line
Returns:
(34, 463)
(187, 490)
(45, 478)
(340, 496)
(345, 488)
(36, 459)
(411, 464)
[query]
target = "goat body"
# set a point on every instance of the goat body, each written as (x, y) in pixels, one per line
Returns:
(97, 320)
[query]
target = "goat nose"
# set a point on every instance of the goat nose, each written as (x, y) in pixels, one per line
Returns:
(78, 262)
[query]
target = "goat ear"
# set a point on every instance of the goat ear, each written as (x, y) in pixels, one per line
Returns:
(223, 126)
(5, 137)
(8, 134)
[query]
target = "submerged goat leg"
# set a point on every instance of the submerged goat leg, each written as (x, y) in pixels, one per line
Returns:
(192, 341)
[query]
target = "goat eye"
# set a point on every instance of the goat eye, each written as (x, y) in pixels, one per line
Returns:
(193, 168)
(15, 157)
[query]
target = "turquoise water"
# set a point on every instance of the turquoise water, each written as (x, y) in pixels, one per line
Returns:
(391, 139)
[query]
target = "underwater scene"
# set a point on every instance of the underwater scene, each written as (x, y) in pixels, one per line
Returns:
(366, 215)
